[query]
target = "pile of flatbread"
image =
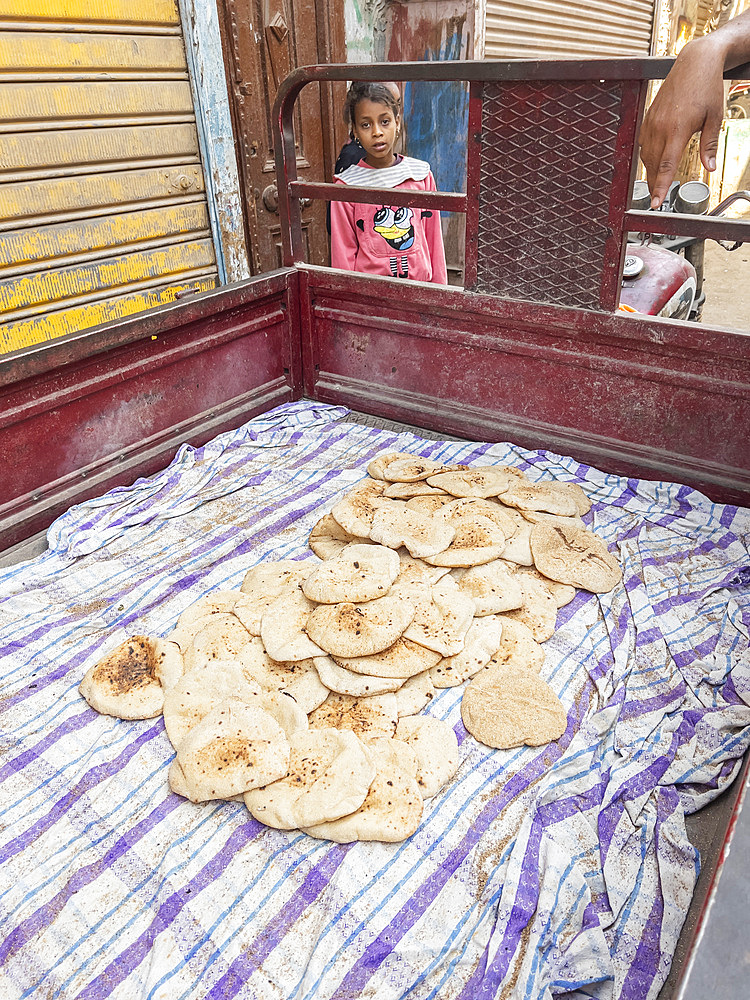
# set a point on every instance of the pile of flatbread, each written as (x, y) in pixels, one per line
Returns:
(301, 692)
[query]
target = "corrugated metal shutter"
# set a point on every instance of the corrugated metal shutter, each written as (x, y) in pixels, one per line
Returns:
(567, 29)
(102, 197)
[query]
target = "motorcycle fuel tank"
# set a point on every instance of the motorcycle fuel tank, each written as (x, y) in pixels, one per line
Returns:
(657, 282)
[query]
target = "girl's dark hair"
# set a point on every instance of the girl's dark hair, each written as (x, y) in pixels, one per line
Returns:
(364, 90)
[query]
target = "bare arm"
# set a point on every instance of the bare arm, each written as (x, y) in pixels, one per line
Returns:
(690, 100)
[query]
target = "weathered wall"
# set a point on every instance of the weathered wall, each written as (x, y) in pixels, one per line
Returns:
(435, 114)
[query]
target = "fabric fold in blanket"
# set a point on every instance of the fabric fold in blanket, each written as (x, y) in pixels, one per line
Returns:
(536, 872)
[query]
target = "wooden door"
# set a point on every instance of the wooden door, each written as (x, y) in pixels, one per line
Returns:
(263, 41)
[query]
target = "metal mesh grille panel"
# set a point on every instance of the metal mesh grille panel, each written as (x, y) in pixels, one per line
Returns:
(547, 162)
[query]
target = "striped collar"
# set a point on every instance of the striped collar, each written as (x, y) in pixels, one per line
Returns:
(407, 169)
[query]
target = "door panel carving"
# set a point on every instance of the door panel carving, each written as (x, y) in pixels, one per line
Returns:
(264, 40)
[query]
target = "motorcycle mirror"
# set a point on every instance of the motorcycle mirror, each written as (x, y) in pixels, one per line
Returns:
(692, 198)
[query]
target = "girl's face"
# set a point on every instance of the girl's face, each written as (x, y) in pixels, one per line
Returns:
(375, 127)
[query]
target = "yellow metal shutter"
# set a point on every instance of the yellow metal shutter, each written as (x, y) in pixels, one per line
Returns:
(102, 197)
(567, 29)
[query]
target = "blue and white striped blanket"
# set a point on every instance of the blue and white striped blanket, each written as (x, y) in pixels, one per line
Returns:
(534, 872)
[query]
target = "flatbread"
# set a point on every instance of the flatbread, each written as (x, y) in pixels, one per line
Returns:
(283, 628)
(518, 548)
(376, 466)
(518, 647)
(402, 660)
(407, 491)
(397, 525)
(219, 639)
(506, 518)
(574, 556)
(356, 510)
(428, 504)
(415, 694)
(367, 717)
(198, 693)
(476, 481)
(391, 812)
(297, 678)
(330, 773)
(411, 469)
(217, 602)
(493, 587)
(477, 540)
(234, 748)
(548, 495)
(442, 621)
(511, 707)
(482, 641)
(358, 573)
(539, 608)
(343, 681)
(350, 630)
(436, 747)
(265, 583)
(328, 538)
(125, 683)
(183, 635)
(563, 593)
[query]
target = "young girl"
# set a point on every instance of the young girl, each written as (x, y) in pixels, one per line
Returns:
(385, 239)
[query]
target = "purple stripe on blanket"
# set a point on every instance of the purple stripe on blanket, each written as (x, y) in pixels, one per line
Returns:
(89, 780)
(234, 978)
(353, 984)
(37, 922)
(70, 725)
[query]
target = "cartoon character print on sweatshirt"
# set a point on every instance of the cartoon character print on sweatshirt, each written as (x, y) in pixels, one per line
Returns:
(396, 226)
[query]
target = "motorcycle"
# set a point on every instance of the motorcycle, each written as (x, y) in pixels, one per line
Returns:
(663, 275)
(738, 100)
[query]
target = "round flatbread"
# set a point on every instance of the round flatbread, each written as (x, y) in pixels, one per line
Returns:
(350, 630)
(330, 773)
(198, 693)
(400, 661)
(415, 694)
(367, 717)
(390, 813)
(283, 628)
(482, 641)
(549, 496)
(356, 510)
(442, 620)
(518, 648)
(411, 469)
(477, 540)
(358, 573)
(574, 556)
(538, 611)
(563, 593)
(265, 583)
(511, 707)
(125, 683)
(328, 538)
(376, 466)
(219, 639)
(493, 587)
(397, 525)
(218, 602)
(343, 681)
(436, 747)
(297, 678)
(476, 481)
(234, 748)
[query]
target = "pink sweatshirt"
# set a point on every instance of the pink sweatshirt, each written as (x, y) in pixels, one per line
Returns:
(385, 239)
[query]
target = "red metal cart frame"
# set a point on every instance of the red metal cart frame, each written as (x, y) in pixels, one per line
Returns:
(531, 350)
